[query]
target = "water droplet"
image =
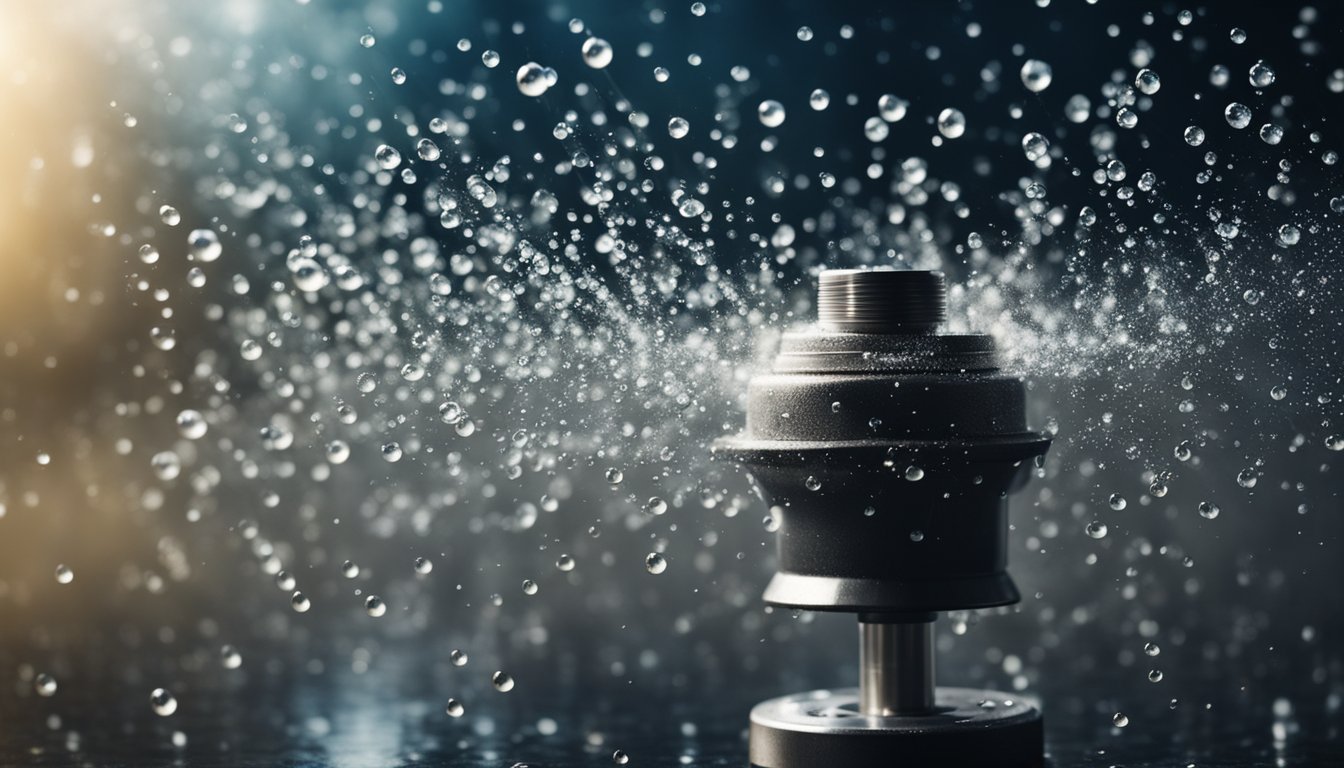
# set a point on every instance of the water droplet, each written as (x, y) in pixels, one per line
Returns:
(1078, 108)
(450, 412)
(1261, 75)
(169, 215)
(690, 207)
(391, 452)
(163, 702)
(1148, 81)
(387, 157)
(1035, 146)
(191, 424)
(534, 79)
(618, 757)
(1096, 529)
(367, 40)
(1151, 649)
(229, 657)
(502, 682)
(374, 606)
(597, 52)
(565, 563)
(875, 128)
(1238, 115)
(1194, 135)
(1237, 35)
(166, 465)
(1036, 76)
(951, 123)
(423, 566)
(677, 127)
(529, 587)
(614, 476)
(44, 684)
(300, 602)
(812, 483)
(1208, 510)
(481, 191)
(398, 76)
(1247, 478)
(490, 58)
(916, 536)
(1118, 502)
(455, 708)
(655, 563)
(63, 574)
(203, 245)
(891, 108)
(819, 100)
(338, 451)
(771, 113)
(458, 658)
(1120, 720)
(914, 474)
(697, 9)
(655, 506)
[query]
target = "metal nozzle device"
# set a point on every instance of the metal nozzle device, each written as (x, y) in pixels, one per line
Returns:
(889, 450)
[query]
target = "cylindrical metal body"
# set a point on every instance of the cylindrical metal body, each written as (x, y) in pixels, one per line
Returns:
(896, 668)
(888, 450)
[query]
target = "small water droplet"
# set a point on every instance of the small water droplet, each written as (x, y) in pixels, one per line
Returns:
(375, 606)
(229, 657)
(597, 52)
(44, 684)
(1036, 75)
(770, 113)
(951, 123)
(163, 702)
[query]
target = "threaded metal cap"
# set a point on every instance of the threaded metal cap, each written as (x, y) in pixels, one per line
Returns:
(881, 301)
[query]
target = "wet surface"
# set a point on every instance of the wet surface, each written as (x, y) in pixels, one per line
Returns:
(390, 716)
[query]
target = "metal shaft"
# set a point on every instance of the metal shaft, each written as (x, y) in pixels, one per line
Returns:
(896, 668)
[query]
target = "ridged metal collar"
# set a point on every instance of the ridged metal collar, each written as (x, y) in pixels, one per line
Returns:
(881, 301)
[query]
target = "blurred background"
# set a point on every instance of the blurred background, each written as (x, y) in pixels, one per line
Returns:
(346, 361)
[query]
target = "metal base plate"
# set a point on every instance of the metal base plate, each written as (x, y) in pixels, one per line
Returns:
(818, 729)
